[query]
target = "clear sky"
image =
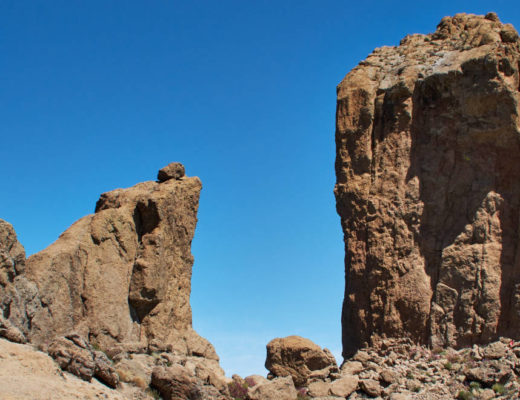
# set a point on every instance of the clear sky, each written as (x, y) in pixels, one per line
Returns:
(97, 95)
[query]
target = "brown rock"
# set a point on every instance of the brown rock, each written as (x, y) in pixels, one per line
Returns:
(12, 254)
(276, 389)
(123, 274)
(389, 376)
(27, 374)
(72, 353)
(495, 350)
(318, 388)
(171, 171)
(174, 383)
(428, 188)
(351, 367)
(19, 300)
(344, 386)
(297, 357)
(370, 387)
(103, 370)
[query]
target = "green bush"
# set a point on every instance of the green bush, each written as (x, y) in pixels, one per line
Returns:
(464, 395)
(474, 385)
(498, 388)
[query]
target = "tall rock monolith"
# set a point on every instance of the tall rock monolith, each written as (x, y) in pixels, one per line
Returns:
(123, 274)
(428, 187)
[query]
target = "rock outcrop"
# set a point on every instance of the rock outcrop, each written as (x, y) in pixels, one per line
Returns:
(428, 188)
(110, 299)
(19, 300)
(123, 274)
(27, 374)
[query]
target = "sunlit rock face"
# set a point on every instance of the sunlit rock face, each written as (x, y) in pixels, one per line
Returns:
(428, 187)
(123, 274)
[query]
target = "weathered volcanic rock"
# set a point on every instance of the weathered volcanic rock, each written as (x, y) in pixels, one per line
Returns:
(297, 357)
(428, 187)
(173, 170)
(19, 299)
(123, 274)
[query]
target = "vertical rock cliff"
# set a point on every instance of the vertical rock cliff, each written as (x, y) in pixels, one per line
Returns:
(110, 299)
(123, 274)
(428, 187)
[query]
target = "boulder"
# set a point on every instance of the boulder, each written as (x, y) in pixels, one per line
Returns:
(318, 388)
(174, 383)
(296, 357)
(428, 187)
(171, 171)
(370, 387)
(75, 355)
(344, 386)
(276, 389)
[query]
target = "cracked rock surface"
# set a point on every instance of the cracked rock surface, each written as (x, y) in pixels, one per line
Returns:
(428, 187)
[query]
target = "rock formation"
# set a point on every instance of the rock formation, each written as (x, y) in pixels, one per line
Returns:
(19, 301)
(27, 374)
(428, 188)
(116, 283)
(123, 274)
(299, 358)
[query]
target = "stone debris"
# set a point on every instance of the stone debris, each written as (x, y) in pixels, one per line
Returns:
(398, 369)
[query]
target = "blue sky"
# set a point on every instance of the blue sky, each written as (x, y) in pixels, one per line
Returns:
(98, 95)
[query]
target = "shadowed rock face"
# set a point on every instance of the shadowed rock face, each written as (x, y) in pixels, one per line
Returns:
(428, 187)
(123, 274)
(19, 301)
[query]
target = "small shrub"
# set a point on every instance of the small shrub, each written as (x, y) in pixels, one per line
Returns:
(498, 388)
(474, 385)
(238, 391)
(453, 357)
(448, 365)
(409, 375)
(124, 375)
(464, 395)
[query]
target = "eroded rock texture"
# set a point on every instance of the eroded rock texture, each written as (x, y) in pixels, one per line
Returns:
(123, 274)
(428, 187)
(19, 300)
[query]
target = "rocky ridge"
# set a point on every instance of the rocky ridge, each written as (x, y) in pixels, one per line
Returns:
(109, 300)
(428, 140)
